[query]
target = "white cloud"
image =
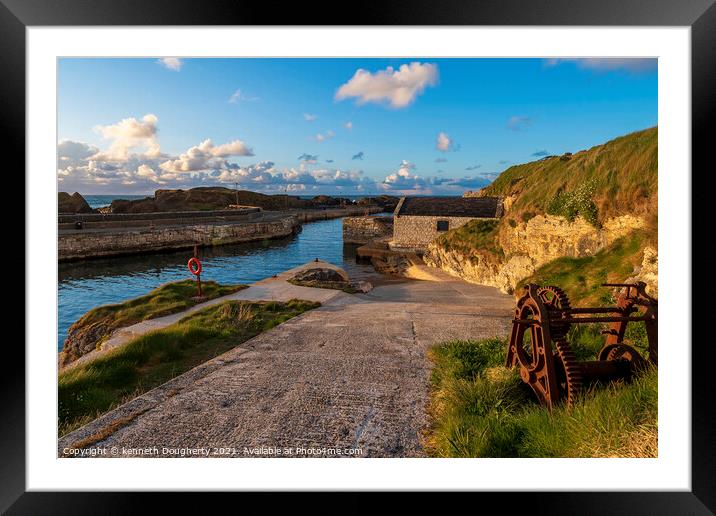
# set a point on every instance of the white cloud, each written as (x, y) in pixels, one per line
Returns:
(238, 96)
(85, 168)
(342, 178)
(260, 173)
(145, 171)
(71, 153)
(348, 125)
(134, 159)
(404, 179)
(321, 137)
(445, 143)
(172, 63)
(232, 148)
(129, 134)
(206, 156)
(608, 64)
(308, 117)
(398, 88)
(263, 175)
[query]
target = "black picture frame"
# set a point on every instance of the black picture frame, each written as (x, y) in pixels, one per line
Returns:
(700, 15)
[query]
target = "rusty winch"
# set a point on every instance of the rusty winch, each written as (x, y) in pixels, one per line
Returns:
(538, 343)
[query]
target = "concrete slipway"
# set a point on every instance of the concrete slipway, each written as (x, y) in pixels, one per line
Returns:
(350, 374)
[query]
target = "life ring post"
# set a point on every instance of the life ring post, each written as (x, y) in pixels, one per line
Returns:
(194, 266)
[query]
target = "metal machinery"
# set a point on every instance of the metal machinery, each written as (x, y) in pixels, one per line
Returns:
(538, 343)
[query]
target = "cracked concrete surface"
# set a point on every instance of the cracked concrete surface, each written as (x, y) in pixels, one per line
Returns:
(351, 374)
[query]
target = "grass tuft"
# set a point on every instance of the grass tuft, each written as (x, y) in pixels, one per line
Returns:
(479, 408)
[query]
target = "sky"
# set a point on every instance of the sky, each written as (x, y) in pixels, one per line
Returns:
(339, 126)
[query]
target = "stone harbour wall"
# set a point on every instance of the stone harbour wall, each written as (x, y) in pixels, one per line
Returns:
(361, 230)
(92, 244)
(417, 232)
(147, 235)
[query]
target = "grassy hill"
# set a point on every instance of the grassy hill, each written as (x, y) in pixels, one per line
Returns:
(616, 178)
(619, 177)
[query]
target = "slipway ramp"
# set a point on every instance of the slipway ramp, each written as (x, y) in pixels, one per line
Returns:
(350, 375)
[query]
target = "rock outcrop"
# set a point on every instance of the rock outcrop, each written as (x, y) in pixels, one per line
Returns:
(529, 245)
(547, 237)
(648, 272)
(219, 198)
(71, 204)
(321, 274)
(83, 338)
(329, 277)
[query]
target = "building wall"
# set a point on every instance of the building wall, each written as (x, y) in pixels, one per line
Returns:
(416, 232)
(361, 230)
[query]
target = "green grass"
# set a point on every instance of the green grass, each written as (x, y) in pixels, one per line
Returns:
(617, 178)
(581, 278)
(164, 300)
(479, 408)
(575, 203)
(167, 299)
(474, 239)
(88, 390)
(621, 176)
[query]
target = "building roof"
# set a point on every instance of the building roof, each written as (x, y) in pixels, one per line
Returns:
(478, 207)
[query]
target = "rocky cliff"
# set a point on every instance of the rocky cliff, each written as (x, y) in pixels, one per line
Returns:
(529, 245)
(562, 209)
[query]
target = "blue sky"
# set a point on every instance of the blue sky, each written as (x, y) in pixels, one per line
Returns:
(350, 126)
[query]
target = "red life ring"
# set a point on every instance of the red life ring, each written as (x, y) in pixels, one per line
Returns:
(194, 266)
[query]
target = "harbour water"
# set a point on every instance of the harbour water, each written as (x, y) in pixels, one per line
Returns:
(91, 283)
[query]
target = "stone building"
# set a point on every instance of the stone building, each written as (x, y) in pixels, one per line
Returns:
(417, 221)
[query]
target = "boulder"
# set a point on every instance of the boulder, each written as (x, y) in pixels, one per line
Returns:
(361, 286)
(83, 338)
(71, 204)
(321, 274)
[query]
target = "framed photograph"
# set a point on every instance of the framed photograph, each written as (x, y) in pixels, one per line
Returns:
(432, 238)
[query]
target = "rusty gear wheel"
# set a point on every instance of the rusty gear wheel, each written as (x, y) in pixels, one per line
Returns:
(555, 298)
(621, 351)
(569, 373)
